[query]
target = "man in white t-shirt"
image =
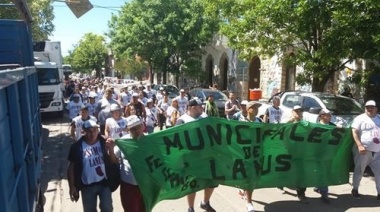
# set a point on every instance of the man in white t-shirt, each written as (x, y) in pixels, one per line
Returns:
(195, 112)
(182, 100)
(87, 170)
(74, 106)
(366, 151)
(130, 194)
(273, 113)
(77, 122)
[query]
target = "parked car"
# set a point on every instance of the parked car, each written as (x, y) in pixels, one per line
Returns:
(344, 109)
(171, 90)
(219, 97)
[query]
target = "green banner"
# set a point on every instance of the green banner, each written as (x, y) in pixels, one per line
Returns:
(212, 151)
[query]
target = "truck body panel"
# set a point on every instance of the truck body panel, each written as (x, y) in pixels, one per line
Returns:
(20, 122)
(50, 76)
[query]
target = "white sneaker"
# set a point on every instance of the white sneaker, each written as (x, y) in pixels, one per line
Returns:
(250, 208)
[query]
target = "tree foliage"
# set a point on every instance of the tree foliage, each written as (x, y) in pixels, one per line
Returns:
(88, 54)
(42, 14)
(324, 35)
(133, 66)
(167, 34)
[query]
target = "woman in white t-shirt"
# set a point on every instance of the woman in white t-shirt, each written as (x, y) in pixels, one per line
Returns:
(151, 116)
(173, 113)
(116, 125)
(163, 106)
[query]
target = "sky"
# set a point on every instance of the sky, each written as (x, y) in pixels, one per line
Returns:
(69, 29)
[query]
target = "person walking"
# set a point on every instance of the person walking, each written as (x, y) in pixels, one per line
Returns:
(173, 113)
(231, 106)
(130, 194)
(87, 170)
(211, 109)
(252, 110)
(273, 113)
(162, 105)
(77, 123)
(116, 125)
(194, 112)
(366, 151)
(103, 108)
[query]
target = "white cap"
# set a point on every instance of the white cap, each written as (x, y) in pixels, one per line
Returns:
(92, 95)
(89, 124)
(182, 91)
(161, 88)
(135, 95)
(324, 111)
(370, 103)
(297, 107)
(244, 102)
(133, 121)
(114, 107)
(149, 101)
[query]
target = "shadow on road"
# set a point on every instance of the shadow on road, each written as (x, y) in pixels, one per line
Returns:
(55, 147)
(339, 203)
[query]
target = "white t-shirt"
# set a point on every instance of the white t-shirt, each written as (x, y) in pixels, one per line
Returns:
(117, 128)
(126, 173)
(164, 105)
(94, 169)
(91, 108)
(369, 131)
(151, 116)
(182, 102)
(170, 112)
(274, 114)
(185, 118)
(125, 98)
(78, 122)
(74, 109)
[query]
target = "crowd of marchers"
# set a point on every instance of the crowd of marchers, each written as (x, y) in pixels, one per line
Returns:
(98, 115)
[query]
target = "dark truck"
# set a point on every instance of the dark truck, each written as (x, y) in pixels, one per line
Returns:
(20, 122)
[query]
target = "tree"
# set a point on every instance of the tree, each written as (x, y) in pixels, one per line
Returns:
(89, 54)
(133, 66)
(324, 35)
(165, 33)
(42, 14)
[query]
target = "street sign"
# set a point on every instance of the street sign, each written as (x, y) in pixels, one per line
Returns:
(79, 7)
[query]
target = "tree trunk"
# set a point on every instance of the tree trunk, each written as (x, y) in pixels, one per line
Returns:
(164, 76)
(177, 80)
(318, 85)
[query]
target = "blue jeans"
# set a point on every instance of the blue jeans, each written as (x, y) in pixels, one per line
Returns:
(323, 191)
(90, 196)
(149, 129)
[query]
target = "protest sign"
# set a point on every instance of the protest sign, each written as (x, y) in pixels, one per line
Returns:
(184, 159)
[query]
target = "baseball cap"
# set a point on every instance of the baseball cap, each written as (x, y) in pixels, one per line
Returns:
(89, 124)
(244, 102)
(253, 103)
(114, 107)
(195, 102)
(370, 103)
(297, 107)
(161, 88)
(135, 95)
(324, 111)
(182, 91)
(149, 101)
(133, 121)
(76, 95)
(92, 95)
(84, 107)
